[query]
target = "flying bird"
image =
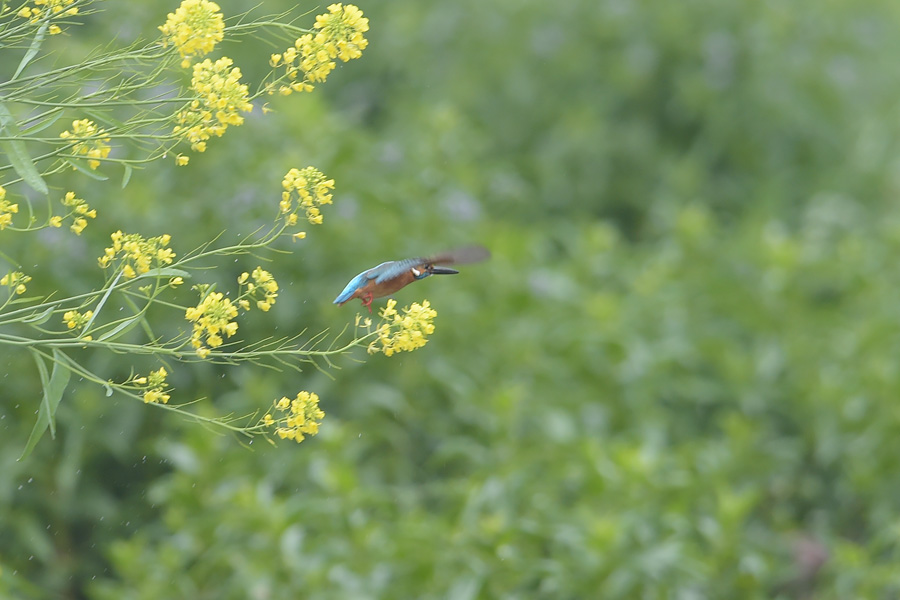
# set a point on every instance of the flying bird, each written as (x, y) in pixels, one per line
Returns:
(388, 277)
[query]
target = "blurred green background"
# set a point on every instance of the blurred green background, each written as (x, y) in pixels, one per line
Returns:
(676, 378)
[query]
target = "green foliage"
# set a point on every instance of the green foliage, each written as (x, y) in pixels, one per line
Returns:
(675, 379)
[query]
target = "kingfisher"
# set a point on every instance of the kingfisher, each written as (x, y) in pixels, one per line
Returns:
(388, 277)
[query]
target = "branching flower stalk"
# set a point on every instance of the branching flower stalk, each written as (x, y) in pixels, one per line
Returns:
(146, 82)
(143, 273)
(126, 107)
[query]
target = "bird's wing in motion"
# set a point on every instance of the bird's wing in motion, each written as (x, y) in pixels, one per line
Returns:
(460, 256)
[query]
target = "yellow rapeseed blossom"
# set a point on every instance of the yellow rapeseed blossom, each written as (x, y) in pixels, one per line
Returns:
(211, 318)
(80, 212)
(15, 281)
(7, 209)
(406, 332)
(194, 29)
(295, 418)
(136, 254)
(339, 36)
(48, 8)
(221, 97)
(343, 28)
(263, 289)
(92, 142)
(155, 384)
(76, 320)
(307, 189)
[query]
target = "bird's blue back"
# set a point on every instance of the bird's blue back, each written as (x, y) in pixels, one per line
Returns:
(363, 278)
(395, 268)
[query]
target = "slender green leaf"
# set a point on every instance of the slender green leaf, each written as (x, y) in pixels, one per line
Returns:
(144, 324)
(17, 154)
(54, 386)
(100, 304)
(44, 124)
(89, 172)
(126, 177)
(41, 318)
(24, 300)
(122, 328)
(33, 49)
(165, 272)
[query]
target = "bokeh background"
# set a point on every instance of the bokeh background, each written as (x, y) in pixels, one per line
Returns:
(676, 378)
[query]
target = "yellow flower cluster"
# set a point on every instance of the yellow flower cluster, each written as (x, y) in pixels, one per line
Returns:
(155, 384)
(76, 320)
(406, 332)
(79, 210)
(138, 255)
(311, 190)
(48, 8)
(92, 145)
(221, 99)
(340, 35)
(297, 417)
(15, 281)
(212, 317)
(7, 209)
(194, 29)
(263, 289)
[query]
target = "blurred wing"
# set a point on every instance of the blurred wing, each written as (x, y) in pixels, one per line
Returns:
(461, 256)
(358, 282)
(389, 270)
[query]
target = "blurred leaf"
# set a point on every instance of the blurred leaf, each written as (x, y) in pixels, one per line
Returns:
(34, 48)
(76, 164)
(17, 153)
(126, 175)
(40, 318)
(54, 386)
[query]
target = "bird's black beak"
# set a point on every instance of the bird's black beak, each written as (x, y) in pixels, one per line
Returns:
(443, 271)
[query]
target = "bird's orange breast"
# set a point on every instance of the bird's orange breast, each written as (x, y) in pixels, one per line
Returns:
(386, 288)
